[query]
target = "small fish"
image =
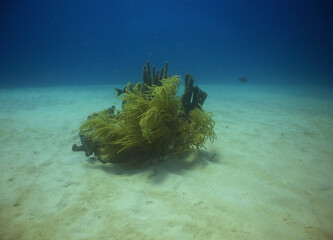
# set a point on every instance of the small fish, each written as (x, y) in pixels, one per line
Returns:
(243, 80)
(121, 91)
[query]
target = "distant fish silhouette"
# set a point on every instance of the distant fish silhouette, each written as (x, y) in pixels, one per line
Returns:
(243, 80)
(121, 91)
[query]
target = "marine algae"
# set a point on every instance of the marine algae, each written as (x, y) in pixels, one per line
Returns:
(152, 124)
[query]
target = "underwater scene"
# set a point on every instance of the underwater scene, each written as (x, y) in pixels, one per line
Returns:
(156, 119)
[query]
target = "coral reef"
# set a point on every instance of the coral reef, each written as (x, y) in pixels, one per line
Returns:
(154, 121)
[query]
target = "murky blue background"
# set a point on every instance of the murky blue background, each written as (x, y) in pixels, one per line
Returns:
(51, 43)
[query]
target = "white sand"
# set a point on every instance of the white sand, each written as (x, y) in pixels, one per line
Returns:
(271, 177)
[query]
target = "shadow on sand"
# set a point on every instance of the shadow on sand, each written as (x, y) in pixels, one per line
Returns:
(176, 164)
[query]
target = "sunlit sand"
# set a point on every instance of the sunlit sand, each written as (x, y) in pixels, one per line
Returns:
(267, 176)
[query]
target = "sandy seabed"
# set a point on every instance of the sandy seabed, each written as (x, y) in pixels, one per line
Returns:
(267, 176)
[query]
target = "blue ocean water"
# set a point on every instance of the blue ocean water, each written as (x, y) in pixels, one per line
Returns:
(268, 175)
(55, 43)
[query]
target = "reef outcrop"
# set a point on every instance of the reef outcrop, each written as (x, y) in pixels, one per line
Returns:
(154, 121)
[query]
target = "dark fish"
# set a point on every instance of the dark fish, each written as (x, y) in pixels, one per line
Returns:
(243, 80)
(121, 91)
